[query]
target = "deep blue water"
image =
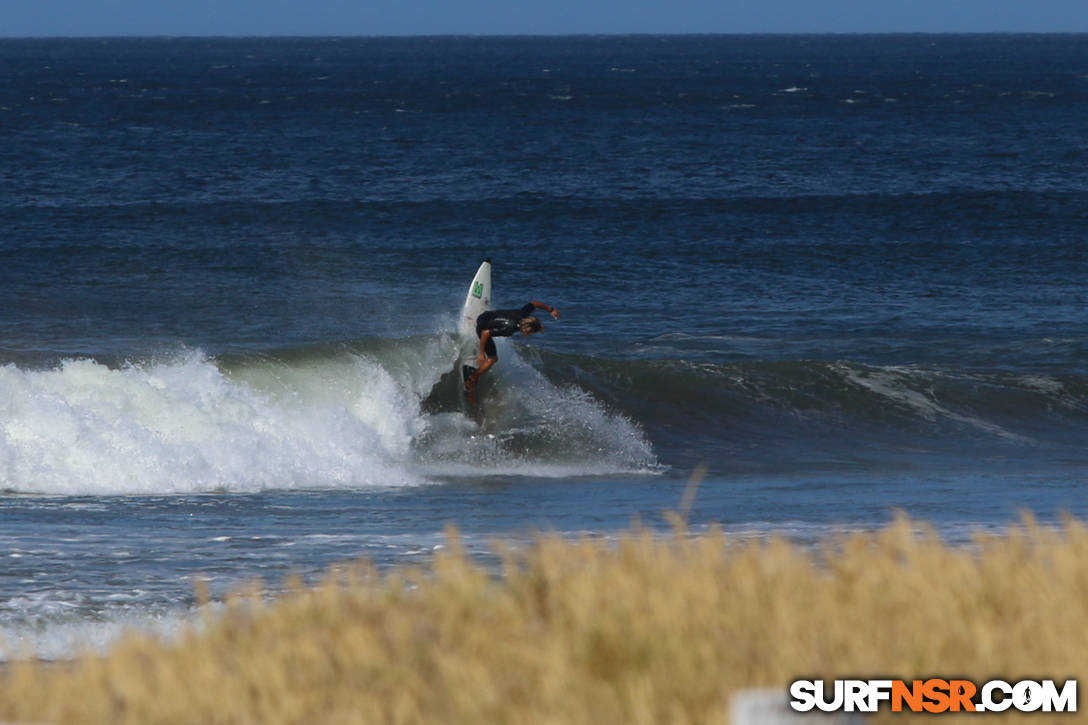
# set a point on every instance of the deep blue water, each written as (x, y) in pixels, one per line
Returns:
(845, 272)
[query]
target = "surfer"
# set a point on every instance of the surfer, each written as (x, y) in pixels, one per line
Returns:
(502, 323)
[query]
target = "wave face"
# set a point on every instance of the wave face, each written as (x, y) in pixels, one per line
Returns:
(391, 413)
(356, 415)
(812, 413)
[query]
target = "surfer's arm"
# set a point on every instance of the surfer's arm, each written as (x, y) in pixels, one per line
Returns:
(484, 367)
(547, 308)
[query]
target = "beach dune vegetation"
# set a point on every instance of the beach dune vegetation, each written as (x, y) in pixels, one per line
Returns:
(639, 628)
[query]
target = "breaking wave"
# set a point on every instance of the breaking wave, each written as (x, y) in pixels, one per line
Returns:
(372, 413)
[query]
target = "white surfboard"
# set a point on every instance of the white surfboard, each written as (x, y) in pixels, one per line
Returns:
(477, 302)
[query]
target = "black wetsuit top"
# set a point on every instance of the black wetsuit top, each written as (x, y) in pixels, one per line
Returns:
(501, 323)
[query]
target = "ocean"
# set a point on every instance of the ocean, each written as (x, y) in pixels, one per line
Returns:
(845, 274)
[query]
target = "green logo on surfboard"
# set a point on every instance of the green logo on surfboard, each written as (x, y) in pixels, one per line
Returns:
(477, 289)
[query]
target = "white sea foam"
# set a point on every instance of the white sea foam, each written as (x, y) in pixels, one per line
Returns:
(895, 385)
(1042, 384)
(341, 420)
(532, 427)
(65, 640)
(84, 428)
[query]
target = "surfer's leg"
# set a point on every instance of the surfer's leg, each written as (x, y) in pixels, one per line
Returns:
(474, 379)
(483, 366)
(488, 357)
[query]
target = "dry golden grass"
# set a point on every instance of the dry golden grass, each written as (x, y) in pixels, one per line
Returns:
(646, 630)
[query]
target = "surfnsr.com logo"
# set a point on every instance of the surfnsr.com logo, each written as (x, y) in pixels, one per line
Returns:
(935, 695)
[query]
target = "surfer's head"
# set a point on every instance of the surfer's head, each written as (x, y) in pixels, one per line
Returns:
(529, 325)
